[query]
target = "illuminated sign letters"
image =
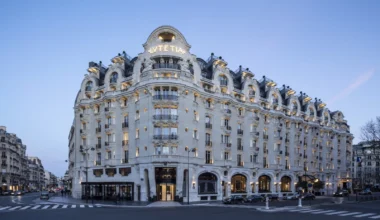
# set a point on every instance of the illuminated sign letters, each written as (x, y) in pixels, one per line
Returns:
(165, 47)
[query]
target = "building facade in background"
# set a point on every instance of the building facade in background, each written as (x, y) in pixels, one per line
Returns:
(36, 174)
(13, 167)
(167, 125)
(366, 165)
(51, 181)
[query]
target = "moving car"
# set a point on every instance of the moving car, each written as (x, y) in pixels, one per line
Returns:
(44, 195)
(309, 196)
(254, 198)
(234, 200)
(365, 192)
(341, 193)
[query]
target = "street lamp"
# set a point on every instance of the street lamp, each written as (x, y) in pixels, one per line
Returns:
(85, 151)
(188, 173)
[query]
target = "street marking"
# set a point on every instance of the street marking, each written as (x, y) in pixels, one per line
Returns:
(375, 217)
(90, 206)
(320, 212)
(82, 206)
(14, 208)
(351, 213)
(25, 207)
(36, 207)
(3, 208)
(297, 210)
(45, 207)
(313, 210)
(364, 215)
(73, 206)
(98, 206)
(54, 207)
(65, 206)
(335, 213)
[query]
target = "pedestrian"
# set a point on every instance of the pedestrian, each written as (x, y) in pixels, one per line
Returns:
(62, 193)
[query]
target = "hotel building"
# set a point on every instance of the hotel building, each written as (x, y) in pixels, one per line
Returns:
(167, 125)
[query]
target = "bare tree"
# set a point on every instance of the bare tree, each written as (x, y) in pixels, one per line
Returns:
(370, 132)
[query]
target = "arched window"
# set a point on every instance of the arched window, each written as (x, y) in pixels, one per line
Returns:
(113, 78)
(285, 184)
(264, 183)
(238, 184)
(88, 86)
(207, 183)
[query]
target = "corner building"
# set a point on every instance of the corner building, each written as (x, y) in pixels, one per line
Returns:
(141, 124)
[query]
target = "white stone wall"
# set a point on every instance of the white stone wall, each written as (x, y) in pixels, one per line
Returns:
(187, 84)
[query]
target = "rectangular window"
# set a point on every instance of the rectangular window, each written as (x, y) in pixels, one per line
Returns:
(251, 158)
(208, 157)
(239, 160)
(109, 155)
(99, 157)
(137, 133)
(137, 152)
(226, 155)
(195, 134)
(208, 137)
(137, 116)
(126, 156)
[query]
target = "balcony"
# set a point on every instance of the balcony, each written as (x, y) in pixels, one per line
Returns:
(165, 117)
(265, 151)
(209, 161)
(175, 66)
(208, 143)
(226, 110)
(227, 128)
(286, 154)
(240, 147)
(240, 131)
(226, 144)
(166, 97)
(124, 161)
(208, 90)
(124, 142)
(240, 164)
(98, 129)
(98, 163)
(125, 124)
(106, 143)
(4, 156)
(98, 146)
(166, 137)
(208, 125)
(106, 109)
(107, 126)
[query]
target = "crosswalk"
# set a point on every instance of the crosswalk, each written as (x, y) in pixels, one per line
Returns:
(45, 207)
(336, 213)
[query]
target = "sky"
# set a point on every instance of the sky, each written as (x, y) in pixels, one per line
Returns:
(327, 49)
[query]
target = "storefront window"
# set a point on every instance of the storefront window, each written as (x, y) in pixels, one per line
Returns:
(207, 183)
(239, 184)
(264, 184)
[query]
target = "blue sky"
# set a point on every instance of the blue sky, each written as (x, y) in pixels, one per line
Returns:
(328, 49)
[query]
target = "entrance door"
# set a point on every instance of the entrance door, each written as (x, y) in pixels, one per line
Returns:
(166, 191)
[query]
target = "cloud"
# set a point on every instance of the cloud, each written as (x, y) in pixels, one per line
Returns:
(362, 78)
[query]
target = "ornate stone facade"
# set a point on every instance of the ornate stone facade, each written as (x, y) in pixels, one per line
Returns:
(142, 124)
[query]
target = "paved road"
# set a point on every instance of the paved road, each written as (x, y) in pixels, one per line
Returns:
(184, 213)
(18, 200)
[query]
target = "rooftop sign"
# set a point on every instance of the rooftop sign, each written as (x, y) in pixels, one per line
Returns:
(166, 48)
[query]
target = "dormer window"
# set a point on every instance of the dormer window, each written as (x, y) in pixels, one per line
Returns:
(166, 37)
(113, 78)
(223, 81)
(88, 86)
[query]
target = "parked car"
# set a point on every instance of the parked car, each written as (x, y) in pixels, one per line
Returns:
(254, 198)
(290, 196)
(44, 195)
(365, 192)
(341, 193)
(272, 197)
(12, 193)
(234, 200)
(6, 193)
(18, 193)
(309, 196)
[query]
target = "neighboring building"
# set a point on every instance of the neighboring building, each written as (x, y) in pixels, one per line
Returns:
(36, 174)
(51, 180)
(13, 167)
(366, 164)
(139, 121)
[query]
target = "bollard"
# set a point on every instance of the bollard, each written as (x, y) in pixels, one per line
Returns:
(267, 202)
(300, 202)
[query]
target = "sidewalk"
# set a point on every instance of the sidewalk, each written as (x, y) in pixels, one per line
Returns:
(70, 200)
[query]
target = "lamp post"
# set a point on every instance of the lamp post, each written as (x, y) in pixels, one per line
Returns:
(188, 173)
(85, 151)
